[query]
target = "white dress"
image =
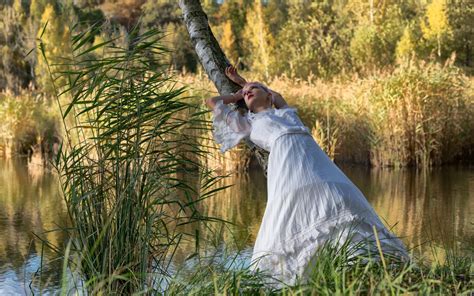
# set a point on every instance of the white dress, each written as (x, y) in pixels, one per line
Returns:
(310, 200)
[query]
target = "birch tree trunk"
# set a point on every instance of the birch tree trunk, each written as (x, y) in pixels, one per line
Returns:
(207, 48)
(212, 58)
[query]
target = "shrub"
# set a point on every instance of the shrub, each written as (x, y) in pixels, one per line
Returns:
(29, 124)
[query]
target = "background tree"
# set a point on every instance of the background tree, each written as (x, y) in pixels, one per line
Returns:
(258, 41)
(406, 47)
(228, 42)
(15, 70)
(312, 41)
(378, 26)
(230, 22)
(435, 25)
(54, 45)
(159, 13)
(276, 14)
(368, 49)
(166, 16)
(182, 55)
(461, 19)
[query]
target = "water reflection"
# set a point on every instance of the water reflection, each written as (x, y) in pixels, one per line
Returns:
(29, 205)
(429, 210)
(242, 204)
(432, 209)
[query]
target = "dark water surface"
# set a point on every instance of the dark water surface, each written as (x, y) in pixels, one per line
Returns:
(432, 211)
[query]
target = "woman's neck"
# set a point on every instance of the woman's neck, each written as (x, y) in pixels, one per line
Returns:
(261, 108)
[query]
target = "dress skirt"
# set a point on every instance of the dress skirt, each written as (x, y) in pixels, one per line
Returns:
(310, 202)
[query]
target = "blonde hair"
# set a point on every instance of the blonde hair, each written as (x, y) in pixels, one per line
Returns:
(264, 87)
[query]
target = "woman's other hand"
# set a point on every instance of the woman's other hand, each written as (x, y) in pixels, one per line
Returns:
(233, 75)
(278, 100)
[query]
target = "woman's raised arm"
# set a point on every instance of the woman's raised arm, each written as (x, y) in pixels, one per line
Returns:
(234, 75)
(226, 99)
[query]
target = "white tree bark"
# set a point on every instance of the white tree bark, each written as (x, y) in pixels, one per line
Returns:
(207, 48)
(212, 57)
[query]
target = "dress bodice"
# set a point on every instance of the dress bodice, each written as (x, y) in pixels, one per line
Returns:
(271, 124)
(263, 128)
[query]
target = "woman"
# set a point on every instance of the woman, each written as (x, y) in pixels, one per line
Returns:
(310, 201)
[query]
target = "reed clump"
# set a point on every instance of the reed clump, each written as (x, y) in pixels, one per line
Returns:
(421, 115)
(122, 162)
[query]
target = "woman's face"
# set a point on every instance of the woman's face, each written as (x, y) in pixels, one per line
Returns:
(256, 97)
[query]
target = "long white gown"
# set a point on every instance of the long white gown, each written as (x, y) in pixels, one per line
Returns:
(310, 200)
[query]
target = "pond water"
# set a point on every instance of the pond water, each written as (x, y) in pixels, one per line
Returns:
(432, 212)
(30, 206)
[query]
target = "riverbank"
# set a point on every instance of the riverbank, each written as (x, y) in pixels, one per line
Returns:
(416, 115)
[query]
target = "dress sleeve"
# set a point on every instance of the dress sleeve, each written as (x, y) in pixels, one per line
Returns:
(229, 126)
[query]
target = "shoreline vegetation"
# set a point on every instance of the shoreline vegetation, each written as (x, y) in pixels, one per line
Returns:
(419, 114)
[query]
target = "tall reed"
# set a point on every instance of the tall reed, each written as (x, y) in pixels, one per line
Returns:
(122, 159)
(421, 115)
